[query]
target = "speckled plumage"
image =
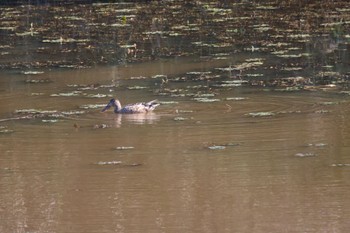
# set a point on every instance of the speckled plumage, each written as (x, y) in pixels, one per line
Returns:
(131, 108)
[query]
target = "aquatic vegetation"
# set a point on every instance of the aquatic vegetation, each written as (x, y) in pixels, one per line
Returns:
(340, 165)
(320, 145)
(322, 111)
(65, 40)
(5, 130)
(307, 154)
(134, 32)
(137, 87)
(180, 119)
(329, 103)
(114, 162)
(183, 111)
(32, 72)
(35, 81)
(205, 100)
(236, 98)
(97, 95)
(92, 106)
(67, 94)
(216, 147)
(34, 111)
(124, 148)
(168, 102)
(50, 120)
(73, 112)
(231, 83)
(261, 114)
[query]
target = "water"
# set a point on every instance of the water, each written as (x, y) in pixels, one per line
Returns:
(252, 133)
(256, 160)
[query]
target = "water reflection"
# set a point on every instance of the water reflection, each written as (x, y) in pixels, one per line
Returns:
(139, 118)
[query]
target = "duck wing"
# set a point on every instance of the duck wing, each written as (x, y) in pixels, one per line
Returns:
(140, 107)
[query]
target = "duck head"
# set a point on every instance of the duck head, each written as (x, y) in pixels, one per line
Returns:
(110, 104)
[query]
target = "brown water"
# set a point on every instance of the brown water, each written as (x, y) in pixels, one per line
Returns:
(188, 167)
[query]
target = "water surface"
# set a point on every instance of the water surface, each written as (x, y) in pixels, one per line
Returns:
(255, 160)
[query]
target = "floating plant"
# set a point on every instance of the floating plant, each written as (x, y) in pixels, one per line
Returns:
(168, 102)
(124, 148)
(319, 145)
(73, 112)
(340, 165)
(137, 87)
(206, 100)
(34, 111)
(101, 126)
(50, 120)
(5, 130)
(236, 98)
(35, 81)
(216, 147)
(92, 106)
(307, 154)
(109, 163)
(32, 72)
(67, 94)
(180, 119)
(261, 114)
(98, 95)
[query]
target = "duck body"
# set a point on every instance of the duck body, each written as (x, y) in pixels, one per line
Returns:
(143, 107)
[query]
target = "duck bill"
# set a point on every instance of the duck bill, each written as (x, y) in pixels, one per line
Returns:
(108, 106)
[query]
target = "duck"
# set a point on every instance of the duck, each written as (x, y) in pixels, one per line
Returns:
(142, 107)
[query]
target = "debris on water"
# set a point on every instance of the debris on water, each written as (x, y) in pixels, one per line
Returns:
(100, 126)
(183, 111)
(206, 100)
(124, 148)
(137, 87)
(67, 94)
(322, 111)
(317, 145)
(5, 130)
(231, 83)
(36, 81)
(50, 120)
(203, 95)
(329, 103)
(37, 94)
(92, 106)
(168, 102)
(307, 154)
(236, 98)
(115, 162)
(160, 76)
(34, 111)
(340, 165)
(180, 119)
(216, 147)
(73, 112)
(289, 112)
(138, 77)
(261, 114)
(231, 144)
(32, 72)
(98, 96)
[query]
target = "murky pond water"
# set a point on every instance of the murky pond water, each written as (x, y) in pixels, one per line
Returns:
(232, 159)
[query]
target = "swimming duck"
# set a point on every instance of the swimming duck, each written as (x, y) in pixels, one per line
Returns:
(131, 108)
